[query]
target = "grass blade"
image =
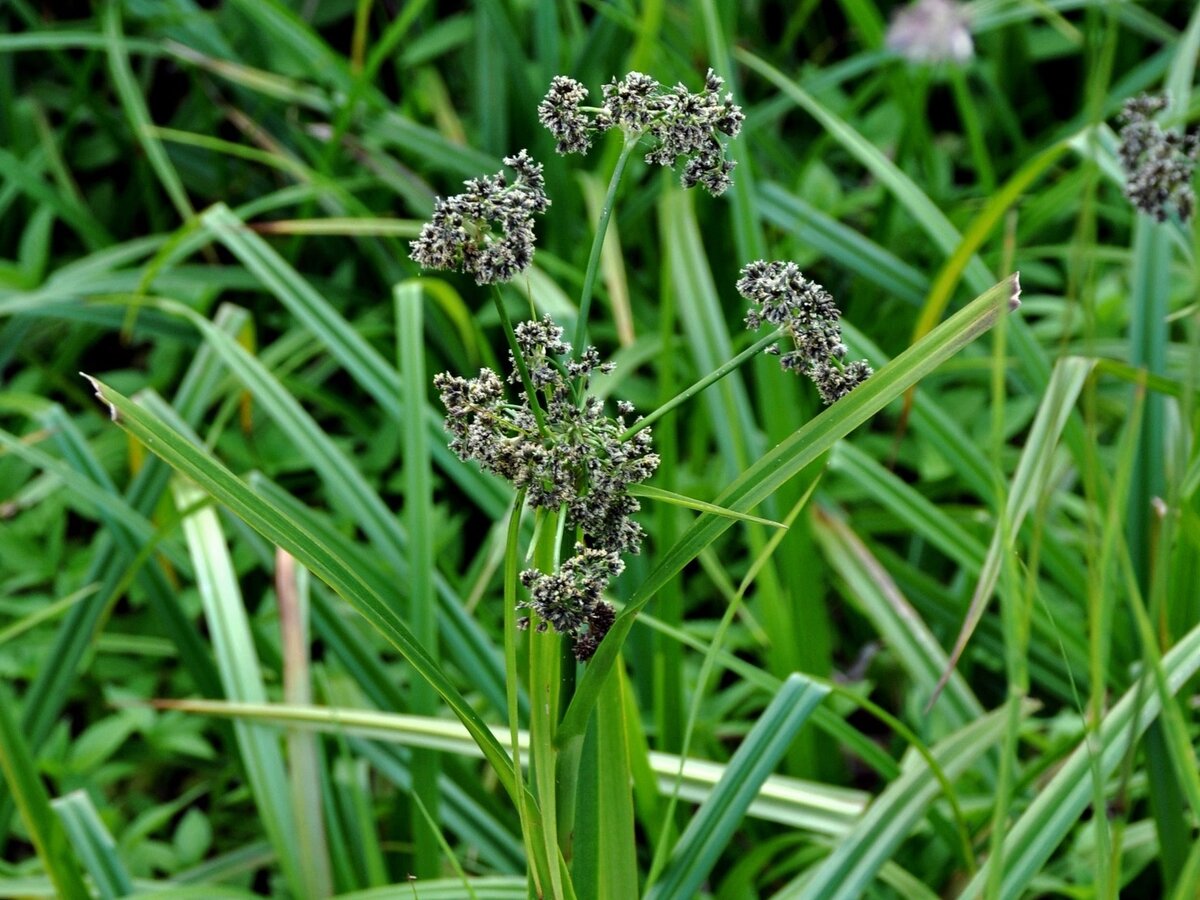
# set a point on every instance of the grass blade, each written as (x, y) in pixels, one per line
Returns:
(932, 219)
(418, 512)
(241, 678)
(650, 492)
(854, 862)
(1059, 803)
(188, 459)
(139, 117)
(45, 830)
(605, 864)
(796, 803)
(708, 833)
(93, 844)
(304, 758)
(351, 492)
(815, 228)
(1028, 482)
(897, 623)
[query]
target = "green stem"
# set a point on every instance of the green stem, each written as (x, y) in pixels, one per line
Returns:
(589, 276)
(544, 668)
(706, 382)
(519, 359)
(535, 849)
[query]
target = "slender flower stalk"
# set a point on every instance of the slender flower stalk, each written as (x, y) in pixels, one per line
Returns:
(704, 383)
(589, 276)
(518, 358)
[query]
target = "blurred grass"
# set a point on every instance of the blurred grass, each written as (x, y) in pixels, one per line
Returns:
(175, 178)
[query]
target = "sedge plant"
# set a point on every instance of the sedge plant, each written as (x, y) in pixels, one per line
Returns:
(570, 463)
(578, 471)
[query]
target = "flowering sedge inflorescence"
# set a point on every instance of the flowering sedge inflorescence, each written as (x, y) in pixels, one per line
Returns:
(807, 314)
(1158, 164)
(680, 122)
(488, 229)
(556, 443)
(577, 462)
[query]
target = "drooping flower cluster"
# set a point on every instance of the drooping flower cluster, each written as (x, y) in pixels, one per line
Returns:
(681, 123)
(577, 462)
(1158, 164)
(807, 313)
(932, 31)
(570, 599)
(488, 229)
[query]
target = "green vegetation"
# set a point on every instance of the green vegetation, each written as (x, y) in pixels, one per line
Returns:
(261, 626)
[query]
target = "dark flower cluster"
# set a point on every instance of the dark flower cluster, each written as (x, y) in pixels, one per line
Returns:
(560, 112)
(806, 311)
(577, 463)
(488, 229)
(570, 599)
(682, 123)
(1158, 164)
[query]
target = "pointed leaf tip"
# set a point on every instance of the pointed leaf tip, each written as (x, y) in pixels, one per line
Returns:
(98, 388)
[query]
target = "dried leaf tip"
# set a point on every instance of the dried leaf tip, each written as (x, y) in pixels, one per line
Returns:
(98, 388)
(1014, 300)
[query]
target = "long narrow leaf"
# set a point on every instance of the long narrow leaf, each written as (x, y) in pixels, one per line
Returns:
(702, 843)
(241, 678)
(1059, 803)
(850, 869)
(45, 830)
(897, 622)
(653, 493)
(274, 525)
(785, 461)
(1027, 484)
(93, 844)
(789, 801)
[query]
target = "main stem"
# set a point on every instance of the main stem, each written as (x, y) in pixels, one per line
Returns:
(544, 697)
(589, 276)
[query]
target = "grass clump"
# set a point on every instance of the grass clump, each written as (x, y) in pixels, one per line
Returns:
(440, 519)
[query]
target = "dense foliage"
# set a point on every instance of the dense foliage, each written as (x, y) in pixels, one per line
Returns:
(931, 631)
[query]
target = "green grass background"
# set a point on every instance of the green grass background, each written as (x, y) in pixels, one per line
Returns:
(207, 206)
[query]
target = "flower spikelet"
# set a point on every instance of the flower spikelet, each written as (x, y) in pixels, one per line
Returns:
(559, 111)
(488, 229)
(808, 315)
(1158, 164)
(570, 599)
(680, 123)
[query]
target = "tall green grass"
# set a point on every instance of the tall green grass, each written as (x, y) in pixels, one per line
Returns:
(257, 622)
